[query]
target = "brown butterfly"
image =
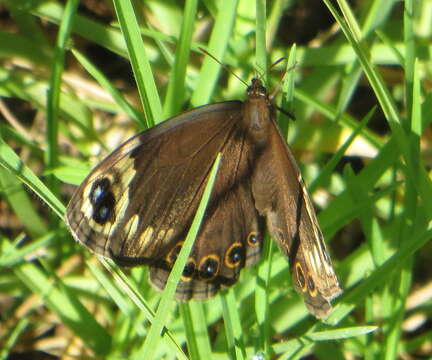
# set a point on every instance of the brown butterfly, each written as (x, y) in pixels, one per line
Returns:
(137, 205)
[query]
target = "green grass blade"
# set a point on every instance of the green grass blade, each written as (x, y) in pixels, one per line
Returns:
(106, 84)
(152, 340)
(53, 101)
(11, 162)
(64, 304)
(139, 61)
(233, 328)
(176, 87)
(218, 43)
(197, 336)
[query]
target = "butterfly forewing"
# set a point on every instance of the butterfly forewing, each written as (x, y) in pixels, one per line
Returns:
(217, 261)
(137, 205)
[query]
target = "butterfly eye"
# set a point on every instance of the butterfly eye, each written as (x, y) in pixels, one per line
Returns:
(253, 239)
(234, 255)
(188, 270)
(262, 90)
(209, 267)
(103, 201)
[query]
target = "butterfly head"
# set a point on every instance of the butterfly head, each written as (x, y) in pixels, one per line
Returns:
(256, 89)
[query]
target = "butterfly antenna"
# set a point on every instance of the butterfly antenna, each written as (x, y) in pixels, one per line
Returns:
(278, 61)
(223, 65)
(278, 86)
(261, 73)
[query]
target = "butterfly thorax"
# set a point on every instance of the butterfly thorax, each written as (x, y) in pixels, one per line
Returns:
(257, 112)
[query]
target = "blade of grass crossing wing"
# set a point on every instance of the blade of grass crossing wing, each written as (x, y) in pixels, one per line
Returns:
(152, 340)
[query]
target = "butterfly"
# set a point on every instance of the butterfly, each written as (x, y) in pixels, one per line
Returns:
(137, 205)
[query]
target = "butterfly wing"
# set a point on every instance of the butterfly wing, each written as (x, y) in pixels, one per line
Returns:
(281, 196)
(137, 205)
(230, 238)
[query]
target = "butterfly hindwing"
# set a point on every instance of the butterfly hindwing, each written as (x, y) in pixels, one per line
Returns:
(214, 262)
